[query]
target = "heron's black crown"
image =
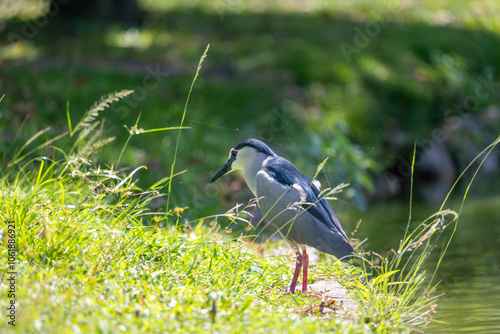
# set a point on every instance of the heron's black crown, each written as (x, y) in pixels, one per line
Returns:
(256, 144)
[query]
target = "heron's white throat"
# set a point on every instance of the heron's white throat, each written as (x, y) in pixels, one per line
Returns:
(251, 161)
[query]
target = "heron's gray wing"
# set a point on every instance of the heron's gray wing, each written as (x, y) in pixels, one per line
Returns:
(278, 202)
(287, 174)
(283, 207)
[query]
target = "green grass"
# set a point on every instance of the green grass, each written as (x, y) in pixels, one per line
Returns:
(92, 257)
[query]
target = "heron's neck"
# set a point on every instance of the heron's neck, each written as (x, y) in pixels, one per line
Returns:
(252, 168)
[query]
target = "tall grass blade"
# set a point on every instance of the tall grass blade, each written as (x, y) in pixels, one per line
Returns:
(200, 63)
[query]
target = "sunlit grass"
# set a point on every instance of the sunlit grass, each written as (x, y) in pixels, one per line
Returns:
(130, 38)
(441, 12)
(89, 247)
(23, 9)
(24, 50)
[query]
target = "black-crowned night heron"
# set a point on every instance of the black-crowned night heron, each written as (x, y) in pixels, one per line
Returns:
(290, 202)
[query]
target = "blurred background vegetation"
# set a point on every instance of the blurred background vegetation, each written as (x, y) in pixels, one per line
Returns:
(359, 82)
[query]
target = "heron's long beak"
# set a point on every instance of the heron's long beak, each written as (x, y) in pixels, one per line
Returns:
(223, 170)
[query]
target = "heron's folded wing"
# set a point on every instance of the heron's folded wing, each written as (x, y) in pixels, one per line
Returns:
(278, 202)
(288, 175)
(285, 209)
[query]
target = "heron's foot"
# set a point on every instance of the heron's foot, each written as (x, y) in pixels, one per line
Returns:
(293, 290)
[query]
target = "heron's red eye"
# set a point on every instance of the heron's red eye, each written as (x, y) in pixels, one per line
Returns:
(233, 154)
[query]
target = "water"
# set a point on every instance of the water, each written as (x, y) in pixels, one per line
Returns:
(470, 271)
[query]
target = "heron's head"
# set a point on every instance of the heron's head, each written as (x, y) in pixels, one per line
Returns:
(242, 154)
